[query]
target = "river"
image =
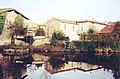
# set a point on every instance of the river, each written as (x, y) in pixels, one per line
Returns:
(56, 68)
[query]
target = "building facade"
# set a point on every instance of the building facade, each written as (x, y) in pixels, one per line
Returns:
(69, 28)
(86, 25)
(9, 23)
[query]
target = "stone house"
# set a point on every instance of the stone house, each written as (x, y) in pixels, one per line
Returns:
(69, 28)
(9, 20)
(73, 28)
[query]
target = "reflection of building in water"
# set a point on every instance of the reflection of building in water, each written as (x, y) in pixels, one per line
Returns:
(72, 66)
(38, 72)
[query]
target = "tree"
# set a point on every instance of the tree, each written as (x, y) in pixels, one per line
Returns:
(91, 31)
(19, 23)
(91, 36)
(40, 32)
(2, 21)
(58, 36)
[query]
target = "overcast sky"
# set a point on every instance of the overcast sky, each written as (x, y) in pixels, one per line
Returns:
(43, 10)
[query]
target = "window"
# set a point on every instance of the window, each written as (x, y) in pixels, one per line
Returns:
(64, 27)
(73, 28)
(82, 28)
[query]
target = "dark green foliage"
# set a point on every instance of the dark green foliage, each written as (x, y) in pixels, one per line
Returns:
(115, 45)
(40, 32)
(85, 45)
(56, 63)
(19, 23)
(1, 72)
(58, 36)
(91, 45)
(2, 21)
(91, 31)
(20, 31)
(92, 38)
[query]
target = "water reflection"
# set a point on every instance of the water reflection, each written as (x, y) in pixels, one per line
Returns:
(77, 74)
(71, 66)
(109, 69)
(71, 70)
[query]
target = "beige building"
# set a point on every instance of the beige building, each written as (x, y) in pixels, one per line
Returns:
(86, 25)
(69, 28)
(5, 37)
(73, 28)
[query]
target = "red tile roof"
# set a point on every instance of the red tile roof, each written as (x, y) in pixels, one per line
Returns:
(112, 27)
(108, 29)
(10, 9)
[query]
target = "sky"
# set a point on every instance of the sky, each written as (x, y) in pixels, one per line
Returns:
(42, 10)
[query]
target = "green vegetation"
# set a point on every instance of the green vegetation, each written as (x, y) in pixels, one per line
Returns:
(2, 21)
(58, 36)
(19, 23)
(91, 31)
(88, 45)
(115, 45)
(40, 32)
(92, 37)
(85, 45)
(89, 35)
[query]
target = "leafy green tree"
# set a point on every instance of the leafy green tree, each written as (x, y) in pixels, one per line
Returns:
(90, 31)
(19, 23)
(2, 21)
(92, 37)
(58, 36)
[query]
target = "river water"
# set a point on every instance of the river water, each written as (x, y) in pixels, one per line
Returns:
(60, 69)
(72, 70)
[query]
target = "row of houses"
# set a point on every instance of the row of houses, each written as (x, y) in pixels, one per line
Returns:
(72, 29)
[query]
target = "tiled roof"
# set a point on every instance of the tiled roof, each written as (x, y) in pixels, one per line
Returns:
(108, 29)
(91, 21)
(10, 9)
(111, 28)
(66, 21)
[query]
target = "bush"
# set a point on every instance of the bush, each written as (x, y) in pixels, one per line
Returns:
(58, 36)
(85, 45)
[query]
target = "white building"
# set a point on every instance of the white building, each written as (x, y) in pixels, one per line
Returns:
(69, 28)
(86, 25)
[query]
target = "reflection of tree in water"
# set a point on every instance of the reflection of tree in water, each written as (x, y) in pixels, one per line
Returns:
(56, 62)
(19, 70)
(116, 67)
(113, 63)
(14, 71)
(116, 72)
